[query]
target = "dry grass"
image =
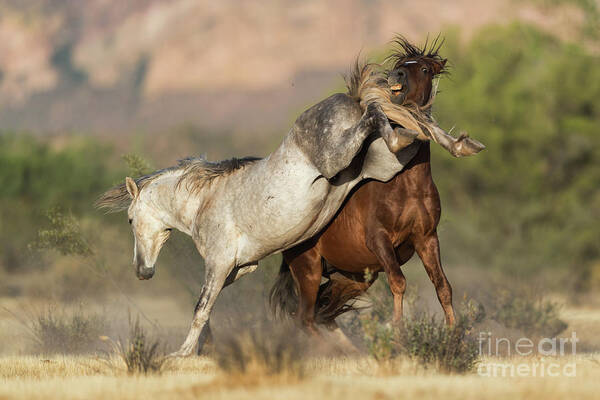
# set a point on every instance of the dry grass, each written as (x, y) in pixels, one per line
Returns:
(86, 377)
(79, 377)
(275, 351)
(139, 352)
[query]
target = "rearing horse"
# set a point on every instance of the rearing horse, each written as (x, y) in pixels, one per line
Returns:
(240, 211)
(380, 226)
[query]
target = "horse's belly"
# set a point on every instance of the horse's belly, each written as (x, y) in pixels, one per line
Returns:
(343, 243)
(328, 207)
(280, 212)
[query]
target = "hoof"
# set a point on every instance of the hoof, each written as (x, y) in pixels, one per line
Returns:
(466, 146)
(400, 138)
(180, 354)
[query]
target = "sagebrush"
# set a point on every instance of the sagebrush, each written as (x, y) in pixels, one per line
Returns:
(527, 311)
(140, 353)
(264, 349)
(426, 339)
(62, 332)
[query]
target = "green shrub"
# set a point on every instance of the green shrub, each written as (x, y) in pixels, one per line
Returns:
(138, 166)
(63, 235)
(62, 332)
(40, 176)
(527, 311)
(532, 99)
(426, 339)
(431, 342)
(35, 177)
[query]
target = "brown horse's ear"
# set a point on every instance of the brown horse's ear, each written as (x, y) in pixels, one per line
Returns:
(132, 188)
(438, 66)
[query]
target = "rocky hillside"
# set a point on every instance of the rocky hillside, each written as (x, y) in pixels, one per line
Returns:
(104, 66)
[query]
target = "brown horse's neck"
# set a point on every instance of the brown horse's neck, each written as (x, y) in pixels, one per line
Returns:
(416, 177)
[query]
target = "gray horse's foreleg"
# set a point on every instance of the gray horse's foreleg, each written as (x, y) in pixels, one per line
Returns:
(206, 333)
(215, 280)
(205, 337)
(458, 147)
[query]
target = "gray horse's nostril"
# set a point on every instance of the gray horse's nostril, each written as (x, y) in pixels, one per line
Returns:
(144, 273)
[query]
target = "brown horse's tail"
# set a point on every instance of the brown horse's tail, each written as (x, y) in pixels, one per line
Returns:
(332, 299)
(283, 297)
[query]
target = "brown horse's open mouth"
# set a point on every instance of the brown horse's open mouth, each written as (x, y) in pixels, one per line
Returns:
(396, 89)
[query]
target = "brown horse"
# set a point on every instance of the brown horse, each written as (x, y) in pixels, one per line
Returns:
(380, 226)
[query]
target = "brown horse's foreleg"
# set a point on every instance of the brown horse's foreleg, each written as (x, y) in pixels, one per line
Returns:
(383, 248)
(428, 249)
(306, 270)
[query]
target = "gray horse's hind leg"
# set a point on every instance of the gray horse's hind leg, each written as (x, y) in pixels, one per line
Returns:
(336, 155)
(401, 138)
(373, 120)
(206, 333)
(237, 273)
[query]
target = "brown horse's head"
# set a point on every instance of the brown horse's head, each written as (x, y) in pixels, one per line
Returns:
(412, 73)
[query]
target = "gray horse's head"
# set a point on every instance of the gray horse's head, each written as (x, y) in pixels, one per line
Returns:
(149, 231)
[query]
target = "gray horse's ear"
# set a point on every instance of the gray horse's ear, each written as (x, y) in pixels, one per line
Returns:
(132, 188)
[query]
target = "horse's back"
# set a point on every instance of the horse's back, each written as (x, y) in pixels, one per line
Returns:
(338, 111)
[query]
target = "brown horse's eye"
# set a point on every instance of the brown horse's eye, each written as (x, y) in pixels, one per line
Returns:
(425, 70)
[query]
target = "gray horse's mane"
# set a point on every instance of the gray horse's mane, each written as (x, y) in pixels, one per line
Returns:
(196, 172)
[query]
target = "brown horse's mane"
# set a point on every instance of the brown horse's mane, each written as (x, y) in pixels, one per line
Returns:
(197, 172)
(404, 51)
(367, 83)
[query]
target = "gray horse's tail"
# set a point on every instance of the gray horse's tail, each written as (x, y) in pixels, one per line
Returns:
(332, 299)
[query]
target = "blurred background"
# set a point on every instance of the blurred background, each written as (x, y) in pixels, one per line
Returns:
(91, 91)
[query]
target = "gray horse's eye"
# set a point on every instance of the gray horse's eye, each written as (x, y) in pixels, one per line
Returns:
(130, 221)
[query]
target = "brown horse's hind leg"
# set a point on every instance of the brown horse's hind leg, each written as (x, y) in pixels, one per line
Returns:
(306, 270)
(428, 249)
(383, 248)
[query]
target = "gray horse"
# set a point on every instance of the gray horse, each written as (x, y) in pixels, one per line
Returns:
(240, 211)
